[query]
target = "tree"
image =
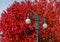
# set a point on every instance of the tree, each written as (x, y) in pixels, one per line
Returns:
(15, 29)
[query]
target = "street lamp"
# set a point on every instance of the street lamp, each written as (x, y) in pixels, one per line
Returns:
(36, 19)
(45, 24)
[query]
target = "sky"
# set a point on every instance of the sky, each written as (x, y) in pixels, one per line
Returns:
(4, 4)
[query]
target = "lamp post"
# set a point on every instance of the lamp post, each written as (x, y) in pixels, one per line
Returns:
(37, 26)
(36, 19)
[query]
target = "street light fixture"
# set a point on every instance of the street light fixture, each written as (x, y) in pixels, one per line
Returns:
(36, 19)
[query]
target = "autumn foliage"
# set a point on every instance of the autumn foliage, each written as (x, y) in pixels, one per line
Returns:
(14, 28)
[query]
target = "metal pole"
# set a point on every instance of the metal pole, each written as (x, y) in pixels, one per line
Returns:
(36, 37)
(37, 26)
